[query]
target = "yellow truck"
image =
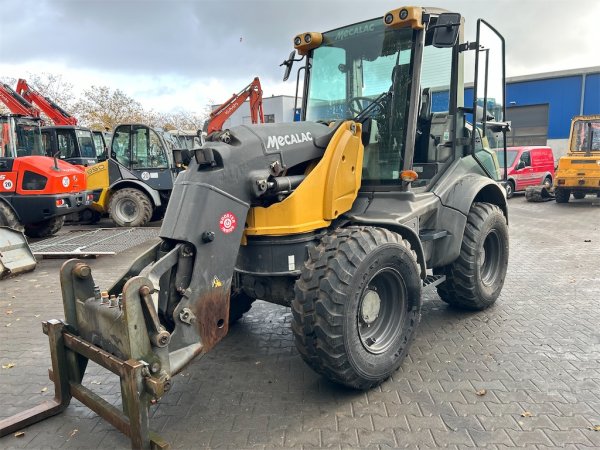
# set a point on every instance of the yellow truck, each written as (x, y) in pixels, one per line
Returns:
(578, 172)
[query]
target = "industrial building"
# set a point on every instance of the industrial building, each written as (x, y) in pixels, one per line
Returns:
(540, 106)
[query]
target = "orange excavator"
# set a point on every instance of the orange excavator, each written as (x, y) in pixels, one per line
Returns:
(253, 92)
(67, 140)
(36, 191)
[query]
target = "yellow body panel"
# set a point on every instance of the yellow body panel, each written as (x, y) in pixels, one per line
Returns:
(578, 171)
(328, 190)
(97, 178)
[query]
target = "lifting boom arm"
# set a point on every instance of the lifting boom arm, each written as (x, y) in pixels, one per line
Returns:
(253, 91)
(16, 103)
(58, 115)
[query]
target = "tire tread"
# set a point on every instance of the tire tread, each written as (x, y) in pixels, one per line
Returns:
(318, 308)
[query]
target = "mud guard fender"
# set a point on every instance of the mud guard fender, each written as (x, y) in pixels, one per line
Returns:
(152, 193)
(456, 203)
(403, 230)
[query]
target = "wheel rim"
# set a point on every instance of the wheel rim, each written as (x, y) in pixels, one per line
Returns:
(489, 258)
(509, 189)
(127, 210)
(382, 310)
(547, 183)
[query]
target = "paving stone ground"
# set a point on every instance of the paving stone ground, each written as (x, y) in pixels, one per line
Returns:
(536, 351)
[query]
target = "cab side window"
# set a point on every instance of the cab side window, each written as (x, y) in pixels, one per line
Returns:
(120, 150)
(66, 144)
(148, 151)
(140, 148)
(526, 159)
(156, 153)
(47, 144)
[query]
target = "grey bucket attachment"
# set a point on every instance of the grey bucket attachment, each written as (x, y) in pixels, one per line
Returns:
(15, 254)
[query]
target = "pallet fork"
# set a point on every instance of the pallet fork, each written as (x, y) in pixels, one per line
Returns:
(70, 354)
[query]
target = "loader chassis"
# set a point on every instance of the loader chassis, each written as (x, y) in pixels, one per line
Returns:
(325, 215)
(36, 192)
(578, 172)
(134, 183)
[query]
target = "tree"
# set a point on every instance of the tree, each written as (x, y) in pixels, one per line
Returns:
(184, 120)
(53, 86)
(101, 107)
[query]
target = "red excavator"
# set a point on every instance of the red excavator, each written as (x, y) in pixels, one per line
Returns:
(65, 138)
(36, 191)
(253, 92)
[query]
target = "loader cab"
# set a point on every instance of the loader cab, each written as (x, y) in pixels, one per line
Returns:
(69, 143)
(145, 153)
(401, 78)
(20, 136)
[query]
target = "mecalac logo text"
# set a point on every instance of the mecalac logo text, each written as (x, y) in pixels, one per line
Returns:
(288, 139)
(349, 32)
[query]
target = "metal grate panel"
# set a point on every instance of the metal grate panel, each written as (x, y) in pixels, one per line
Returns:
(101, 241)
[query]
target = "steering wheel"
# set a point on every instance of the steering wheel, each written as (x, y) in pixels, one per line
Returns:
(355, 104)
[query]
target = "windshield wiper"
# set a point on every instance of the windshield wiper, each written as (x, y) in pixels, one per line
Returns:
(376, 103)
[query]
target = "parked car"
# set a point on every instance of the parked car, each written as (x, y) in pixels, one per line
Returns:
(527, 166)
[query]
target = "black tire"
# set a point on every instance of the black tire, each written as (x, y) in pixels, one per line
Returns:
(547, 182)
(239, 304)
(474, 280)
(510, 188)
(45, 228)
(130, 207)
(349, 267)
(89, 216)
(533, 193)
(578, 195)
(159, 213)
(562, 195)
(8, 218)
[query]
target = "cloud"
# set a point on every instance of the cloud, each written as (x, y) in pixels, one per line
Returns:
(177, 53)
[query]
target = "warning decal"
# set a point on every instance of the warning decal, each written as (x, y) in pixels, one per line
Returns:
(228, 223)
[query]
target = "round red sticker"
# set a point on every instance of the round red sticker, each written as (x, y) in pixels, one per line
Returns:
(227, 223)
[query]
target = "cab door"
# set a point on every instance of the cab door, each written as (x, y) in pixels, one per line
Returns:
(524, 172)
(489, 101)
(149, 161)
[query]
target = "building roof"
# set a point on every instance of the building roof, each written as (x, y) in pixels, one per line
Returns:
(556, 74)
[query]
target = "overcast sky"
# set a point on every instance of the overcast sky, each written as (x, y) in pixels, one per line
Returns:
(183, 54)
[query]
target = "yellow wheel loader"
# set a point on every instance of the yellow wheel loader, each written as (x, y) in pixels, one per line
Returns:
(578, 172)
(382, 191)
(133, 184)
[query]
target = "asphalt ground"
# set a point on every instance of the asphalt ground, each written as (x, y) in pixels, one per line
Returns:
(524, 373)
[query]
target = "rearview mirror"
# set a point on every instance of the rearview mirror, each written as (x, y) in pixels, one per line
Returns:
(288, 63)
(446, 30)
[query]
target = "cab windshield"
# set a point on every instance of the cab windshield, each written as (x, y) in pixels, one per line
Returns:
(357, 66)
(586, 136)
(86, 143)
(28, 138)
